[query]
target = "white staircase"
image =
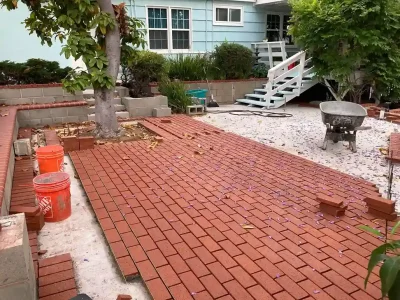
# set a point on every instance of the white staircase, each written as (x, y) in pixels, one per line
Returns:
(283, 84)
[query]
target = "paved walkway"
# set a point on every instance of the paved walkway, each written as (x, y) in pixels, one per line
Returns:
(175, 214)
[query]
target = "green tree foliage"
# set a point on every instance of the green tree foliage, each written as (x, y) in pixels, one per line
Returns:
(147, 67)
(347, 38)
(234, 61)
(96, 32)
(34, 70)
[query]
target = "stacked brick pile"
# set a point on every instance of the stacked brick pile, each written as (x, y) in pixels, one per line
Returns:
(331, 205)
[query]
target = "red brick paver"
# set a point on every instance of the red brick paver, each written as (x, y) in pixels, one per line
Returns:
(394, 148)
(57, 278)
(179, 210)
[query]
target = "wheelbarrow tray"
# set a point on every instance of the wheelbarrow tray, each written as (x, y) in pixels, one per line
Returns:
(342, 114)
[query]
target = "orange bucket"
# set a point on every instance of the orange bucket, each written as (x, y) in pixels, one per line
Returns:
(53, 195)
(50, 159)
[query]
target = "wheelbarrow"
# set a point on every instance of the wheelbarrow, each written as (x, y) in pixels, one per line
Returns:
(342, 120)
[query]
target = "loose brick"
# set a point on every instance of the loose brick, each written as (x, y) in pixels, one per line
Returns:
(333, 210)
(380, 204)
(382, 215)
(331, 201)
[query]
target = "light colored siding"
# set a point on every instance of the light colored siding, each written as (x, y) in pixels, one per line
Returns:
(205, 36)
(17, 45)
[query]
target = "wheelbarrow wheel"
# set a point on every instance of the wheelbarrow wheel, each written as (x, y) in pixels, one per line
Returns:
(325, 143)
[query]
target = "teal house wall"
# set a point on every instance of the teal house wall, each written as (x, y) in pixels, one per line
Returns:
(206, 35)
(17, 45)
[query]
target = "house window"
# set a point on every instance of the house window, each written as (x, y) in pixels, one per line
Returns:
(277, 28)
(169, 28)
(286, 37)
(228, 15)
(273, 28)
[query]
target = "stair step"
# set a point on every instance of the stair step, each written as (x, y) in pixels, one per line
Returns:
(261, 97)
(285, 92)
(117, 107)
(119, 114)
(256, 103)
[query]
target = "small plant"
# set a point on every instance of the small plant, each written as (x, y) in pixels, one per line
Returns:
(388, 253)
(175, 91)
(189, 67)
(144, 68)
(234, 61)
(260, 71)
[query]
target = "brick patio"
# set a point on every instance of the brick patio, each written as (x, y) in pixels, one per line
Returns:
(174, 215)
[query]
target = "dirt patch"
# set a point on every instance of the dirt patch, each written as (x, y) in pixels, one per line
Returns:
(131, 131)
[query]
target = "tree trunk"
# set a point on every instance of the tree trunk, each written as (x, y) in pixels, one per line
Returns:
(106, 121)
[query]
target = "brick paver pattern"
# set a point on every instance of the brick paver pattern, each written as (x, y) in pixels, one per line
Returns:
(175, 214)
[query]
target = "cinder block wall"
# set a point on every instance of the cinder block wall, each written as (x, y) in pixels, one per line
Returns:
(51, 116)
(36, 94)
(224, 91)
(143, 107)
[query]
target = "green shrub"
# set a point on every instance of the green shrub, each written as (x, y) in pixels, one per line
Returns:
(188, 67)
(33, 71)
(234, 61)
(175, 91)
(146, 67)
(260, 71)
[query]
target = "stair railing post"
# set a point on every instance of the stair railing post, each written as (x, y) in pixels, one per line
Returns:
(301, 71)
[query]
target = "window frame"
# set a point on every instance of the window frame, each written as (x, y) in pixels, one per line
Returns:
(228, 23)
(281, 15)
(170, 29)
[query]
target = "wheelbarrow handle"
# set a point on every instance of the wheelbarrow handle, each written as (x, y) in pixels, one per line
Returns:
(362, 128)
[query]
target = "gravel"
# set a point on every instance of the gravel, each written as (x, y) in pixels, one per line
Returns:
(303, 135)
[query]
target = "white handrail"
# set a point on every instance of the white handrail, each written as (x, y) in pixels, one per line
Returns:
(288, 61)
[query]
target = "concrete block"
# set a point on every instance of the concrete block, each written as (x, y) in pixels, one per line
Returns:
(77, 94)
(92, 117)
(122, 114)
(22, 147)
(83, 118)
(161, 112)
(77, 111)
(33, 123)
(65, 98)
(122, 91)
(16, 101)
(17, 275)
(90, 101)
(31, 92)
(43, 100)
(23, 115)
(58, 112)
(140, 112)
(71, 119)
(58, 120)
(91, 110)
(117, 100)
(39, 113)
(53, 91)
(195, 110)
(10, 93)
(47, 121)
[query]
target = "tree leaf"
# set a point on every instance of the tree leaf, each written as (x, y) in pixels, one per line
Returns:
(370, 230)
(394, 292)
(377, 255)
(393, 231)
(100, 64)
(388, 273)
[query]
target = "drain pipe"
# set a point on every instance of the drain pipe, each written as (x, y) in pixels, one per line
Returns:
(206, 26)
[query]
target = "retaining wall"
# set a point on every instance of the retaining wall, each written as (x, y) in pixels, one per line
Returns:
(50, 114)
(224, 91)
(143, 107)
(36, 94)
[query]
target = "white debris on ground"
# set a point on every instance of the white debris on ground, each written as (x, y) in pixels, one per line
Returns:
(96, 271)
(303, 135)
